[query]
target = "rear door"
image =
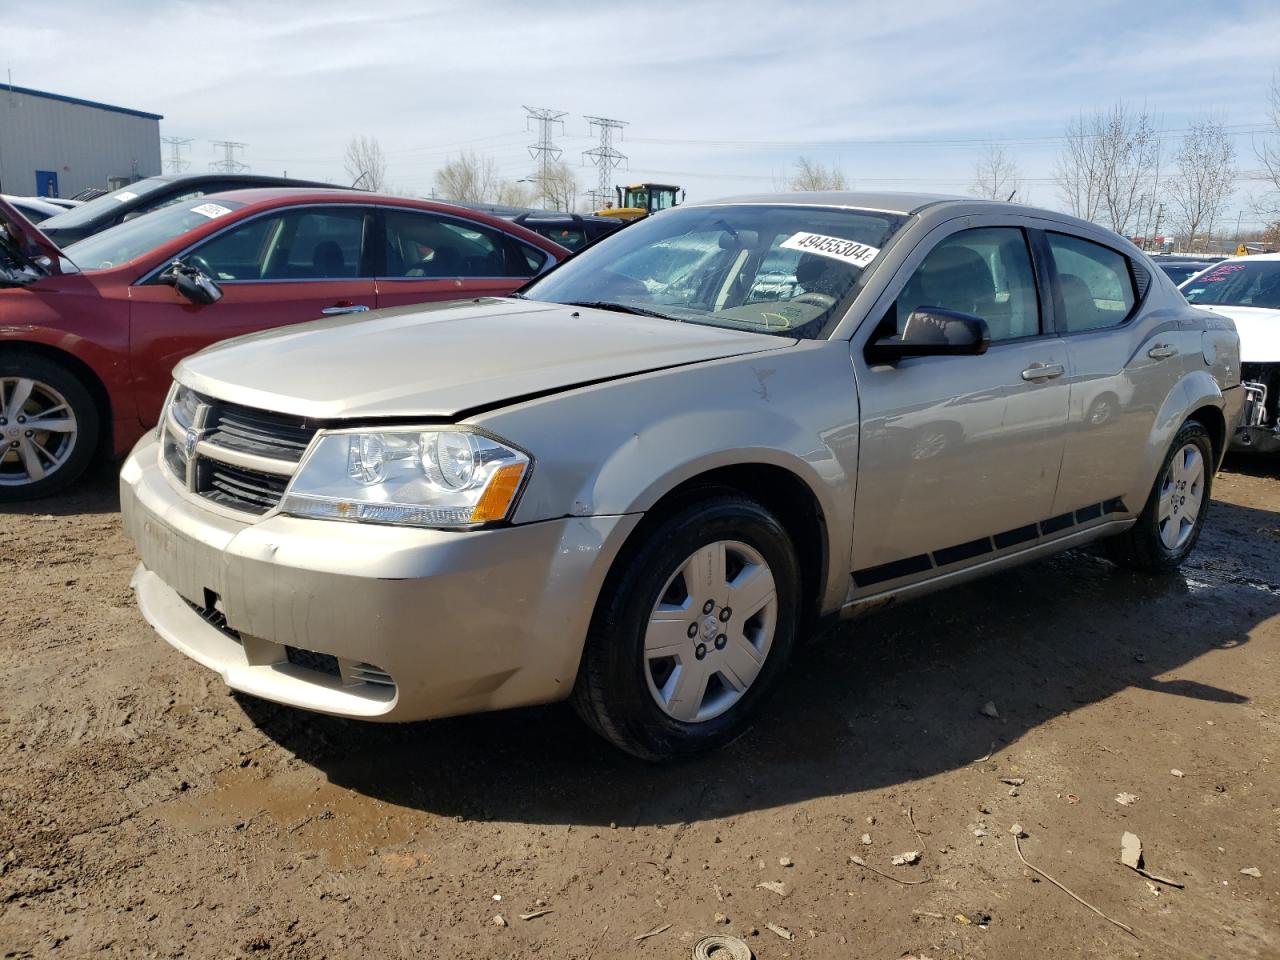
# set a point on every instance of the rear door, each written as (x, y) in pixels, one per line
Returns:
(1124, 362)
(430, 256)
(283, 266)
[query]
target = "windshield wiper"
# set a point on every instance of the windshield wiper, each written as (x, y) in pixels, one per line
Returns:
(619, 308)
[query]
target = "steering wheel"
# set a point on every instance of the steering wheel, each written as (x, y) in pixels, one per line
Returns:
(824, 300)
(201, 264)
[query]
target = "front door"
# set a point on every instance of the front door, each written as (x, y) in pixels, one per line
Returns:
(959, 455)
(284, 267)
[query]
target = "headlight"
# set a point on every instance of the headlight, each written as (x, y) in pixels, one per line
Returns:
(426, 478)
(183, 404)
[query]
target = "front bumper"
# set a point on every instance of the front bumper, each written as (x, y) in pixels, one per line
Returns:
(1251, 435)
(409, 624)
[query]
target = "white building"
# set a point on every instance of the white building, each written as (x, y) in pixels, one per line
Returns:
(52, 145)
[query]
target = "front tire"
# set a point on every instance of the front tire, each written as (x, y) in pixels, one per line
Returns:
(49, 427)
(1169, 526)
(691, 631)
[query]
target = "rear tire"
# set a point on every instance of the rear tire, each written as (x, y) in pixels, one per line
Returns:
(691, 631)
(49, 427)
(1170, 523)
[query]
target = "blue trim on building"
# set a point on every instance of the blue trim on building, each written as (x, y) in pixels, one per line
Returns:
(8, 87)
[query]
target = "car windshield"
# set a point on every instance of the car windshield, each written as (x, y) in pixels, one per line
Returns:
(782, 269)
(87, 213)
(1237, 283)
(133, 238)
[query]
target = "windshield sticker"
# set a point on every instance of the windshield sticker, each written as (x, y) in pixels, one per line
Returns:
(124, 196)
(837, 248)
(211, 210)
(1218, 274)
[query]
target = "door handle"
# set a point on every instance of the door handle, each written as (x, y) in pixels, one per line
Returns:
(1039, 372)
(344, 308)
(1162, 351)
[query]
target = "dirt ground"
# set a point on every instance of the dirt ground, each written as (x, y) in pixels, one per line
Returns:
(147, 811)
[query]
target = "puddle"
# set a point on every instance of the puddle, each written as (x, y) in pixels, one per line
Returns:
(338, 823)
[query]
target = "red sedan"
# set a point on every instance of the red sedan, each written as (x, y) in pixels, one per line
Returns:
(89, 334)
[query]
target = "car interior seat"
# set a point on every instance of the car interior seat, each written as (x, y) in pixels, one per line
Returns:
(327, 259)
(1078, 303)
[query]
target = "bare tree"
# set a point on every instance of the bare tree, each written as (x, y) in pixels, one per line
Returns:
(511, 193)
(1269, 151)
(558, 190)
(470, 177)
(365, 163)
(1109, 165)
(1206, 170)
(995, 174)
(812, 175)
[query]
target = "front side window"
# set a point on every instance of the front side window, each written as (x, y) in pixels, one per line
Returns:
(1237, 284)
(985, 272)
(428, 246)
(308, 244)
(1097, 288)
(785, 270)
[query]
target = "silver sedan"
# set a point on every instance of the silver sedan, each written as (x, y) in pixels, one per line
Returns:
(638, 481)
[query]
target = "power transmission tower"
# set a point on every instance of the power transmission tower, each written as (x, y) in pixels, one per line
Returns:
(175, 162)
(605, 158)
(544, 151)
(229, 163)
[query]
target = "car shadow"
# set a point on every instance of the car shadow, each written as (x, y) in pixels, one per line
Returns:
(888, 699)
(98, 491)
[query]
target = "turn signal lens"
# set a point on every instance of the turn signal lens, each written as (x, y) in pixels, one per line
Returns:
(497, 498)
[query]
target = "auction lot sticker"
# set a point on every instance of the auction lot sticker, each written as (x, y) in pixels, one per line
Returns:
(211, 210)
(837, 248)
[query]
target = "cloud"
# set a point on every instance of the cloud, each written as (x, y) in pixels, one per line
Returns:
(430, 78)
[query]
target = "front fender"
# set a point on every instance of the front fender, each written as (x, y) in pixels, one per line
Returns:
(618, 447)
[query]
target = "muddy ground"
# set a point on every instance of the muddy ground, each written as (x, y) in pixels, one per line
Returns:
(146, 811)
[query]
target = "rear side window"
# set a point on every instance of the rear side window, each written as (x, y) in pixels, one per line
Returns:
(426, 246)
(1096, 285)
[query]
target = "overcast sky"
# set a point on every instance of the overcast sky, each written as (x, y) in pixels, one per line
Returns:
(719, 96)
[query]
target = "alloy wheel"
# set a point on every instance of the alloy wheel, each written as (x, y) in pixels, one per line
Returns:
(37, 431)
(710, 631)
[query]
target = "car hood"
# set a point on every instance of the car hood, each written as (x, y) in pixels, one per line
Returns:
(446, 360)
(1259, 330)
(31, 243)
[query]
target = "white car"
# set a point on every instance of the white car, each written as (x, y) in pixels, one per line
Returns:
(1247, 289)
(34, 209)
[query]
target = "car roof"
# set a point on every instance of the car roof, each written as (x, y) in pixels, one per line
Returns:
(1267, 257)
(246, 178)
(900, 203)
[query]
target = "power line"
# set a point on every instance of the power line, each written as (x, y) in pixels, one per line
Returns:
(229, 163)
(175, 162)
(605, 157)
(544, 151)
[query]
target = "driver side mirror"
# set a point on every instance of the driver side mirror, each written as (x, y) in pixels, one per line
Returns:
(192, 283)
(933, 332)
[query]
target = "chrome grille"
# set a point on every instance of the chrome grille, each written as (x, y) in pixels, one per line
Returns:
(237, 487)
(238, 457)
(259, 432)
